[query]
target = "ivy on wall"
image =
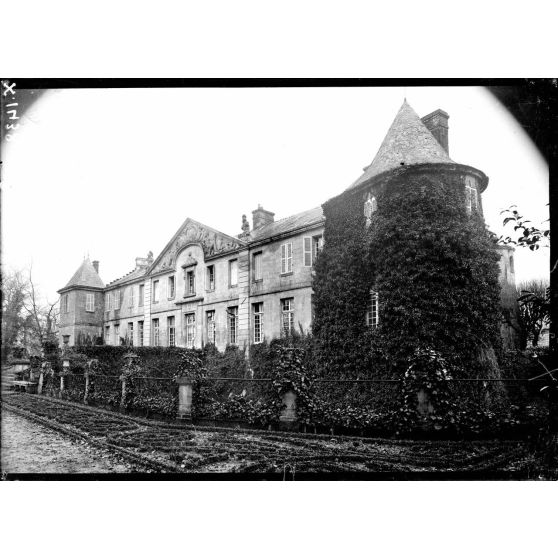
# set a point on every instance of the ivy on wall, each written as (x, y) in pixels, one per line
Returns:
(434, 266)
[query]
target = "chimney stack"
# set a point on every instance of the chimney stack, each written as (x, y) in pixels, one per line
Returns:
(437, 123)
(261, 217)
(96, 266)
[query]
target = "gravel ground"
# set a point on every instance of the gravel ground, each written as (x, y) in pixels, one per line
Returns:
(31, 448)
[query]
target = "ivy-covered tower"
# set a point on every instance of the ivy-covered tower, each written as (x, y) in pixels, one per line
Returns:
(408, 261)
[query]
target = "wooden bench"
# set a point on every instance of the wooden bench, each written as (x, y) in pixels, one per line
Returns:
(22, 385)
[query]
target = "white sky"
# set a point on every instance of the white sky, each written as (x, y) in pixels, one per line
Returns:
(114, 172)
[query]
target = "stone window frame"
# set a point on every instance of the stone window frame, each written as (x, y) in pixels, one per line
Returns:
(90, 302)
(210, 327)
(130, 333)
(65, 304)
(232, 325)
(116, 299)
(117, 334)
(190, 328)
(141, 294)
(286, 258)
(171, 331)
(233, 264)
(155, 291)
(287, 316)
(171, 287)
(258, 313)
(140, 332)
(210, 278)
(155, 332)
(132, 300)
(257, 266)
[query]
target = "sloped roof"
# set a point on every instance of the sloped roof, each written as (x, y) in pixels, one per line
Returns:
(85, 276)
(134, 274)
(408, 142)
(304, 219)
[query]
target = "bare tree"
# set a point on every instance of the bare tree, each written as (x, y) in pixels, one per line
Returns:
(26, 317)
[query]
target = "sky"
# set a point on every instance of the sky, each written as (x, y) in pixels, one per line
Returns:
(112, 173)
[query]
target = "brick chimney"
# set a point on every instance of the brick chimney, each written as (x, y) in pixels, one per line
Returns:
(437, 123)
(96, 265)
(261, 217)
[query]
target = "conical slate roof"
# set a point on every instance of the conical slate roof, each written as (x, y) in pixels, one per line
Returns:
(85, 276)
(408, 142)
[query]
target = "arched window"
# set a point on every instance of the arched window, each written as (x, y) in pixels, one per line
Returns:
(370, 206)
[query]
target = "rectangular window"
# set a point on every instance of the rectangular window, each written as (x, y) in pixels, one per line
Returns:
(107, 335)
(116, 334)
(171, 332)
(140, 295)
(90, 302)
(132, 296)
(372, 314)
(258, 322)
(155, 291)
(210, 321)
(287, 257)
(232, 323)
(190, 283)
(130, 334)
(155, 332)
(190, 320)
(257, 266)
(317, 245)
(307, 247)
(140, 333)
(210, 278)
(171, 288)
(116, 301)
(287, 316)
(108, 302)
(65, 304)
(471, 197)
(233, 273)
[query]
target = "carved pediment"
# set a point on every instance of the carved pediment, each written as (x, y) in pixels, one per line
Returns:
(212, 242)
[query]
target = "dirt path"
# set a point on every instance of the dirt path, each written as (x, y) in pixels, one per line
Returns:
(31, 448)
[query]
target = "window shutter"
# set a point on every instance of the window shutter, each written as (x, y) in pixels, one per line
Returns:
(307, 240)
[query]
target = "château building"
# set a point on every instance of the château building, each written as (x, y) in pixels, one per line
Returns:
(210, 287)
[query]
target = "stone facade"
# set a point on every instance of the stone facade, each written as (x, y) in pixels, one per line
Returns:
(209, 287)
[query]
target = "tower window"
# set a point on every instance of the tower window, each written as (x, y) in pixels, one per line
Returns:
(65, 304)
(370, 207)
(471, 195)
(90, 302)
(372, 313)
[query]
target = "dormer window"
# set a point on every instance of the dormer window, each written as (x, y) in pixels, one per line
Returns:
(370, 207)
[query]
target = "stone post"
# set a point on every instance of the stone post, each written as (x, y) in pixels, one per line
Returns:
(288, 414)
(40, 384)
(61, 384)
(65, 372)
(123, 396)
(86, 392)
(185, 391)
